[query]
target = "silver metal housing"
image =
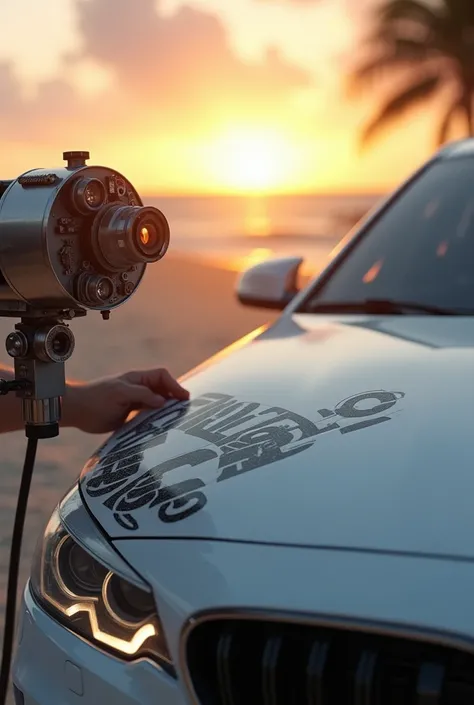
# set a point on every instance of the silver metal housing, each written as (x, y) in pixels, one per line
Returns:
(46, 243)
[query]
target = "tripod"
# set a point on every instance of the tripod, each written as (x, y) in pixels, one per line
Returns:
(39, 347)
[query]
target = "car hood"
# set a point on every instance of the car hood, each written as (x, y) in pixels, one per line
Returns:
(355, 433)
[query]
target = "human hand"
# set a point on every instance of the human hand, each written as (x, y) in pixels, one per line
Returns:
(103, 405)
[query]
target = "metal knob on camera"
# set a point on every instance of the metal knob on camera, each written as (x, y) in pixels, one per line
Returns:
(39, 351)
(54, 343)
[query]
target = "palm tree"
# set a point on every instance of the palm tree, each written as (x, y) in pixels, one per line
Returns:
(423, 49)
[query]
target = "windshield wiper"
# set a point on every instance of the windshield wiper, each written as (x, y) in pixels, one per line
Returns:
(384, 306)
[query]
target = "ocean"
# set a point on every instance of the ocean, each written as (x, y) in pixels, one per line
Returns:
(236, 231)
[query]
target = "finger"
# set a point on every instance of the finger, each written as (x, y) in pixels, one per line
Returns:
(138, 396)
(172, 387)
(160, 380)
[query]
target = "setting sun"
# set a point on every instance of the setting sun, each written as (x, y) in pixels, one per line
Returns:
(253, 160)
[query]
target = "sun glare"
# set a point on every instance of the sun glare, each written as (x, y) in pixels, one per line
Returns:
(251, 160)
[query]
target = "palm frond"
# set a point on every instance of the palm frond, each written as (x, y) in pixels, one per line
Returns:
(444, 126)
(387, 35)
(401, 103)
(415, 10)
(401, 54)
(422, 45)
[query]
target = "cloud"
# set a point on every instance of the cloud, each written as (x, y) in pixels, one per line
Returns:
(294, 2)
(174, 73)
(182, 62)
(56, 110)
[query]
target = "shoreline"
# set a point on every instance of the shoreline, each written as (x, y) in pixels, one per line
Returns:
(238, 263)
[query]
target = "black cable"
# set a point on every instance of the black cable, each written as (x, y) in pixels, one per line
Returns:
(14, 567)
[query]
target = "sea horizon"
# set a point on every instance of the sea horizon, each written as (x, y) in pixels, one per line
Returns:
(237, 230)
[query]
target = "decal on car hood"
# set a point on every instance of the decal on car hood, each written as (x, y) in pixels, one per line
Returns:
(220, 437)
(337, 433)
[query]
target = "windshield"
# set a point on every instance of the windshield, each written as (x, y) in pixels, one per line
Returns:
(421, 250)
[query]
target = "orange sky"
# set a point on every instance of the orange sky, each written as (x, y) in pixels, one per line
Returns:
(196, 96)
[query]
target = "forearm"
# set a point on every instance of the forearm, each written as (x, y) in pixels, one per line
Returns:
(11, 411)
(101, 406)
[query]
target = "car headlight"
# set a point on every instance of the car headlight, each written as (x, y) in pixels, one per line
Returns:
(93, 601)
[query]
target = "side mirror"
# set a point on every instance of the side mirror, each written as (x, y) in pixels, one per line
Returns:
(270, 284)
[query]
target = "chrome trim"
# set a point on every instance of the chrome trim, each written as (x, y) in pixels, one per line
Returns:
(81, 526)
(388, 629)
(41, 412)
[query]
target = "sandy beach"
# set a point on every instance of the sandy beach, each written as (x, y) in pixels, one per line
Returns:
(184, 312)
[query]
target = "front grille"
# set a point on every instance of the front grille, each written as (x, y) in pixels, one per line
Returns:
(257, 662)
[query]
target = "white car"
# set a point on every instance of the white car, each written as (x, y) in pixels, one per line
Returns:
(302, 531)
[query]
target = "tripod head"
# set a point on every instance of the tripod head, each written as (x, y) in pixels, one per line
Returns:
(72, 239)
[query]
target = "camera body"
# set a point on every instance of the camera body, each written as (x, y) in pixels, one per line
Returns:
(73, 239)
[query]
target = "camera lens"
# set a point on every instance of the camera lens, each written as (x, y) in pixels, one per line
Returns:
(104, 288)
(145, 235)
(150, 236)
(94, 194)
(129, 235)
(94, 289)
(61, 344)
(88, 195)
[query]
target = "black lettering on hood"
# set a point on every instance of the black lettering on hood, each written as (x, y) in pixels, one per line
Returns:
(239, 437)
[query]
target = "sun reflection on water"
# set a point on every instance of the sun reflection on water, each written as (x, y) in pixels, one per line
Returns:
(257, 221)
(257, 226)
(239, 263)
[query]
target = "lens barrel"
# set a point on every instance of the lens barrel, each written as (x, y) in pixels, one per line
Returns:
(88, 196)
(124, 236)
(73, 238)
(94, 289)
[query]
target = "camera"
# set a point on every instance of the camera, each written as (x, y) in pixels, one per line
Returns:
(73, 239)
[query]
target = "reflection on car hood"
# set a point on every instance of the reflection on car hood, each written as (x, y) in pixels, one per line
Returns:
(354, 432)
